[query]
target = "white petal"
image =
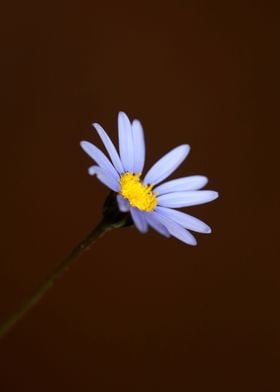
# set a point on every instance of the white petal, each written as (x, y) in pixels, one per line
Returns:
(139, 146)
(125, 142)
(139, 220)
(98, 156)
(176, 230)
(123, 204)
(167, 164)
(186, 199)
(185, 220)
(190, 183)
(109, 147)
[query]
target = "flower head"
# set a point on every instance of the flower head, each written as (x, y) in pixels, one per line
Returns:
(150, 201)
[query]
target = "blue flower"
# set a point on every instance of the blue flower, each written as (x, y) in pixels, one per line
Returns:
(149, 201)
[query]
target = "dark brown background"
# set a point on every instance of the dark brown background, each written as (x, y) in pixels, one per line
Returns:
(139, 312)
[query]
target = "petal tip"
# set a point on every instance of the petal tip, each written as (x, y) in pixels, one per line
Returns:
(187, 148)
(84, 144)
(136, 121)
(204, 181)
(215, 195)
(91, 171)
(122, 114)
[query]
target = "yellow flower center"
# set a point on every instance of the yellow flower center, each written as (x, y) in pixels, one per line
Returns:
(138, 194)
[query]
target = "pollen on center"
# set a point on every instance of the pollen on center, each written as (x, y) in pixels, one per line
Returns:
(138, 194)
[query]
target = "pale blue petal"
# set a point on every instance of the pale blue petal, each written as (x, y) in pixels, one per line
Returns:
(156, 225)
(97, 155)
(109, 147)
(139, 220)
(92, 170)
(108, 182)
(185, 220)
(139, 146)
(167, 164)
(191, 183)
(125, 142)
(176, 230)
(105, 177)
(123, 204)
(186, 199)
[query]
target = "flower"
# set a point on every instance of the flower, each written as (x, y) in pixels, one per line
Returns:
(149, 201)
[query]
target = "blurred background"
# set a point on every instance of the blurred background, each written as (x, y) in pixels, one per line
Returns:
(140, 312)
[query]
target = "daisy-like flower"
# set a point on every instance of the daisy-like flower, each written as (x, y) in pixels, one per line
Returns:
(150, 201)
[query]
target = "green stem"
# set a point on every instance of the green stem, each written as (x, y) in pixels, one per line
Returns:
(97, 232)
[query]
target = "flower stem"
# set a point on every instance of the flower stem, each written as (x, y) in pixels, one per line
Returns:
(97, 232)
